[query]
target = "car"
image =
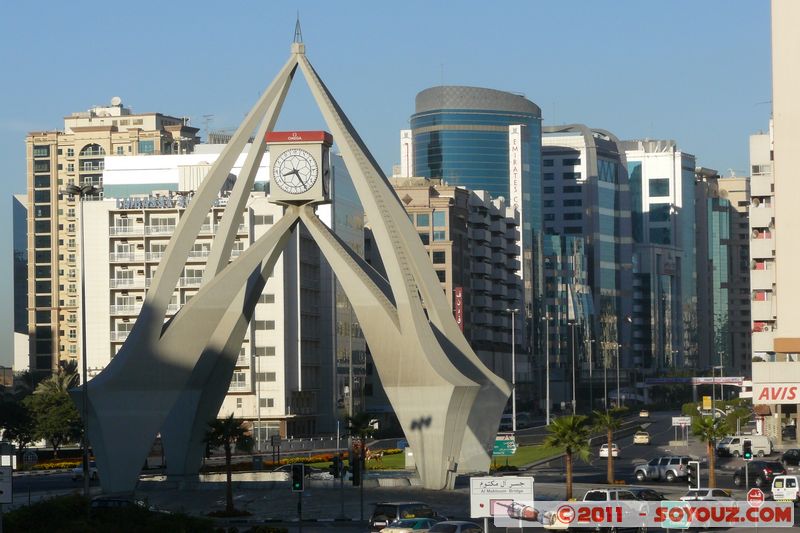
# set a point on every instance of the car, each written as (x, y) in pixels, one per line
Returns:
(456, 526)
(385, 513)
(609, 495)
(407, 525)
(786, 488)
(734, 445)
(644, 413)
(641, 437)
(712, 495)
(791, 457)
(604, 450)
(759, 473)
(647, 495)
(77, 472)
(667, 468)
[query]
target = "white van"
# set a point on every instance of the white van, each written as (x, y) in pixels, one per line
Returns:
(760, 445)
(786, 488)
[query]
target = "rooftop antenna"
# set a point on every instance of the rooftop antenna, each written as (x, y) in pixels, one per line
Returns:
(298, 34)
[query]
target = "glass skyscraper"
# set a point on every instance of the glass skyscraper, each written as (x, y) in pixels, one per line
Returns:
(461, 135)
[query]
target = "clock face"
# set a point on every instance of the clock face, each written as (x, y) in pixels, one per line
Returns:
(295, 171)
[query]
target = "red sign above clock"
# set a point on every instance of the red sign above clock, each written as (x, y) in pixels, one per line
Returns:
(299, 137)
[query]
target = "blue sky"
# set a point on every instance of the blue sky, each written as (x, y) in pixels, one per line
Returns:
(690, 70)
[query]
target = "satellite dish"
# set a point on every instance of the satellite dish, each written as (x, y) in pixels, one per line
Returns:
(116, 101)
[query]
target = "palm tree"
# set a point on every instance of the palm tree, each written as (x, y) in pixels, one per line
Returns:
(606, 421)
(709, 430)
(62, 381)
(228, 432)
(572, 435)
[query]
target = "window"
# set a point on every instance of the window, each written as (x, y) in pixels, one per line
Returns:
(42, 197)
(264, 350)
(238, 403)
(41, 226)
(660, 236)
(571, 161)
(659, 213)
(41, 151)
(264, 324)
(266, 376)
(70, 167)
(260, 220)
(266, 402)
(571, 175)
(549, 217)
(549, 190)
(573, 216)
(547, 176)
(41, 241)
(120, 150)
(548, 203)
(571, 188)
(425, 238)
(423, 220)
(439, 219)
(573, 230)
(266, 299)
(659, 187)
(547, 163)
(442, 275)
(572, 203)
(439, 258)
(41, 166)
(439, 235)
(146, 147)
(70, 152)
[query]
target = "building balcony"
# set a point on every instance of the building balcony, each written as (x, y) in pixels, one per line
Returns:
(762, 310)
(239, 387)
(484, 269)
(119, 336)
(243, 360)
(481, 302)
(126, 230)
(762, 279)
(125, 309)
(125, 257)
(173, 308)
(480, 334)
(482, 251)
(761, 216)
(481, 319)
(499, 289)
(481, 285)
(478, 219)
(762, 248)
(761, 185)
(499, 258)
(154, 256)
(762, 341)
(124, 283)
(498, 242)
(163, 229)
(512, 264)
(480, 235)
(199, 254)
(190, 282)
(236, 252)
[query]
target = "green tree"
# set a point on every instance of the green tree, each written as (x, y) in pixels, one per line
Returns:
(16, 423)
(570, 433)
(710, 430)
(360, 428)
(55, 418)
(608, 422)
(228, 433)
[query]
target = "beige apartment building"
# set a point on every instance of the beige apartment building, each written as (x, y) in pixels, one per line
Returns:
(776, 378)
(75, 155)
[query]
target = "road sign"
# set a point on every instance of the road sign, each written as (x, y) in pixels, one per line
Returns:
(755, 498)
(681, 420)
(707, 402)
(488, 494)
(6, 495)
(504, 446)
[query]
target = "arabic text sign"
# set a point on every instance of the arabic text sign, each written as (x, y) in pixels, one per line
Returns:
(681, 420)
(6, 496)
(484, 492)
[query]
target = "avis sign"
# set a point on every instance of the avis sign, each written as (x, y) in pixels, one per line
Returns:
(775, 393)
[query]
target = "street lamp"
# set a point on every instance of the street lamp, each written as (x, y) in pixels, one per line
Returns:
(81, 192)
(513, 370)
(547, 318)
(572, 342)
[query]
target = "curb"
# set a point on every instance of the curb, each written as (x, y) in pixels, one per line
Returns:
(27, 473)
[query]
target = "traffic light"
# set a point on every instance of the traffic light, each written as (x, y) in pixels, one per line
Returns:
(747, 450)
(693, 474)
(298, 477)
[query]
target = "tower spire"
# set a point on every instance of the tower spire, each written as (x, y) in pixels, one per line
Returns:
(298, 34)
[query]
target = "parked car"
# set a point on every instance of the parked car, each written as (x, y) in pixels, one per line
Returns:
(385, 513)
(733, 445)
(409, 525)
(644, 413)
(648, 495)
(786, 488)
(667, 468)
(77, 472)
(604, 450)
(712, 495)
(609, 495)
(791, 457)
(523, 421)
(759, 473)
(456, 526)
(641, 437)
(789, 432)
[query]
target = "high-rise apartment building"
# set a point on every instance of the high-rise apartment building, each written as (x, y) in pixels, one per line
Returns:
(776, 378)
(485, 139)
(76, 156)
(723, 272)
(287, 380)
(472, 242)
(664, 320)
(586, 195)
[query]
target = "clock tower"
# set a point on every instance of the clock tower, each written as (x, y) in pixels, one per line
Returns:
(299, 167)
